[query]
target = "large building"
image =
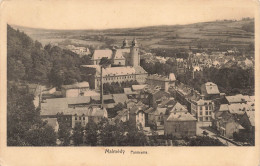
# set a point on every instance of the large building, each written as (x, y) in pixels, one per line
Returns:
(210, 91)
(161, 81)
(125, 64)
(203, 109)
(125, 56)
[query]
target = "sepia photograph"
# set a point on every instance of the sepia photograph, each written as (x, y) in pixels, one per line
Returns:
(119, 74)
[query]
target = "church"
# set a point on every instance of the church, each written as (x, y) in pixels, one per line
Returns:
(125, 66)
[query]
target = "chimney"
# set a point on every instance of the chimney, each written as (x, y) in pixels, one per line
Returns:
(101, 87)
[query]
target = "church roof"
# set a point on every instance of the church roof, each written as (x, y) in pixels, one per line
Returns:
(99, 54)
(119, 55)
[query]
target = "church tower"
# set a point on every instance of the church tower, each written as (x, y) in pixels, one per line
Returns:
(125, 44)
(134, 53)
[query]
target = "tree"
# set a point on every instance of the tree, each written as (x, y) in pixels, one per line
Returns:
(77, 135)
(91, 133)
(64, 133)
(41, 136)
(204, 141)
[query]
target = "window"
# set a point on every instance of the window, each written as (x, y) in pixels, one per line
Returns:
(200, 112)
(83, 118)
(201, 119)
(207, 118)
(210, 112)
(200, 107)
(206, 107)
(76, 118)
(207, 112)
(79, 118)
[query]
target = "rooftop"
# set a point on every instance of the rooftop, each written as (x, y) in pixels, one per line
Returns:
(211, 88)
(77, 85)
(239, 98)
(181, 116)
(99, 54)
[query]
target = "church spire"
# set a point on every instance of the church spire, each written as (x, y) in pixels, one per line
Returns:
(134, 43)
(125, 44)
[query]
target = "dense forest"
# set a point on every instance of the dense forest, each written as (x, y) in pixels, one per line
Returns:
(29, 61)
(229, 80)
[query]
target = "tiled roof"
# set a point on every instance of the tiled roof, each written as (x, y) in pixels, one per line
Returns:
(88, 111)
(178, 108)
(77, 85)
(128, 91)
(118, 71)
(239, 98)
(119, 55)
(251, 117)
(181, 116)
(149, 110)
(120, 98)
(236, 108)
(239, 108)
(211, 88)
(203, 102)
(138, 87)
(158, 77)
(160, 110)
(137, 107)
(139, 70)
(223, 107)
(99, 54)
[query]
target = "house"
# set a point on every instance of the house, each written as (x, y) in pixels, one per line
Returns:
(239, 98)
(237, 109)
(210, 91)
(130, 93)
(156, 115)
(156, 97)
(75, 90)
(162, 81)
(227, 124)
(75, 115)
(180, 124)
(137, 114)
(203, 110)
(248, 121)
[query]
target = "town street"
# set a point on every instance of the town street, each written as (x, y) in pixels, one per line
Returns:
(205, 126)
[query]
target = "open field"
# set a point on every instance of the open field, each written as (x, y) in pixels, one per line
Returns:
(206, 34)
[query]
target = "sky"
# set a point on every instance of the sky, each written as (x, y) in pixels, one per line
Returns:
(106, 14)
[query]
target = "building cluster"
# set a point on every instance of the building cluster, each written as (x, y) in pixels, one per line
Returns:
(124, 66)
(227, 114)
(157, 103)
(81, 51)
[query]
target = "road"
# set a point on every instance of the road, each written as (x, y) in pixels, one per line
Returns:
(201, 126)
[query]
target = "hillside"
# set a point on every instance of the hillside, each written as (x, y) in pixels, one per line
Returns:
(214, 35)
(29, 61)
